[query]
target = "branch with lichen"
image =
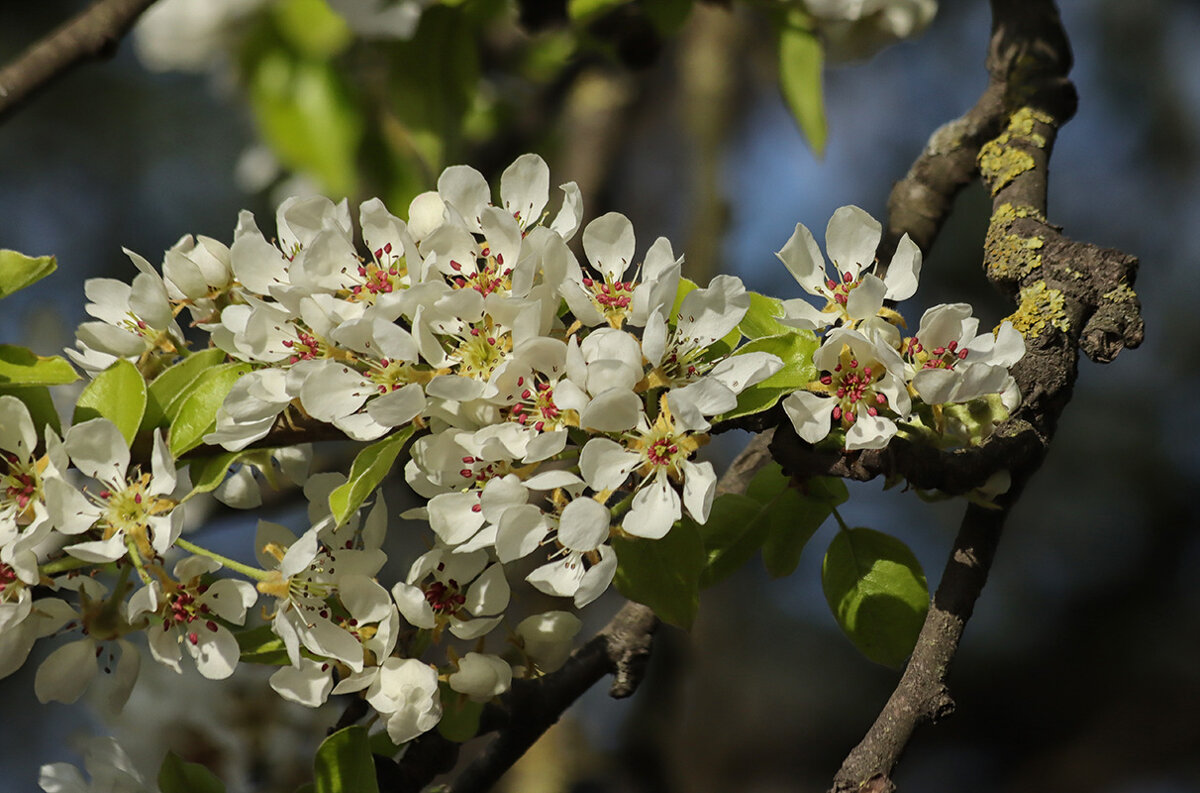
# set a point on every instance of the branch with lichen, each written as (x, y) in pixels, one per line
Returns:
(1070, 296)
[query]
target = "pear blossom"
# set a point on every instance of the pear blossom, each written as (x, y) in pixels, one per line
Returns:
(131, 320)
(952, 363)
(458, 591)
(657, 454)
(584, 565)
(129, 510)
(481, 676)
(188, 612)
(405, 694)
(546, 638)
(861, 388)
(24, 519)
(854, 294)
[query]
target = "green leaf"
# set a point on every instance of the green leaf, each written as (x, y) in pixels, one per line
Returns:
(179, 776)
(197, 415)
(18, 271)
(581, 12)
(382, 745)
(762, 318)
(312, 27)
(732, 534)
(165, 395)
(663, 574)
(117, 394)
(801, 59)
(343, 763)
(877, 592)
(304, 111)
(261, 645)
(20, 366)
(773, 515)
(207, 473)
(40, 404)
(460, 716)
(796, 516)
(795, 348)
(367, 471)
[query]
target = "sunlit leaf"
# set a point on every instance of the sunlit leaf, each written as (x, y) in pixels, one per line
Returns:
(368, 470)
(197, 415)
(18, 271)
(801, 58)
(795, 348)
(261, 645)
(165, 394)
(117, 394)
(20, 366)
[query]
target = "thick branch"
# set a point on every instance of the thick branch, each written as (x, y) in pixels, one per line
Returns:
(92, 34)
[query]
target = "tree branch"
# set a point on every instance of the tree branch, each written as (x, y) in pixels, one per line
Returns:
(1070, 296)
(93, 34)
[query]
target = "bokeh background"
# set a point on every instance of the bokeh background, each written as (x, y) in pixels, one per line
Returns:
(1079, 670)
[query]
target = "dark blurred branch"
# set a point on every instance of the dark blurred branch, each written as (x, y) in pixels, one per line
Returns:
(1070, 296)
(91, 35)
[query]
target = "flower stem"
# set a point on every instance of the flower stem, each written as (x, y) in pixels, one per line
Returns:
(236, 566)
(138, 563)
(63, 565)
(838, 516)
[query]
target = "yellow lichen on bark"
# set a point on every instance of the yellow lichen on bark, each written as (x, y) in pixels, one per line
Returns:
(1040, 306)
(1011, 257)
(1000, 161)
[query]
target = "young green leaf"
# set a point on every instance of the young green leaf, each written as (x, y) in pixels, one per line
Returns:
(796, 516)
(261, 645)
(877, 592)
(733, 533)
(20, 366)
(795, 349)
(581, 12)
(663, 574)
(177, 775)
(800, 63)
(18, 271)
(117, 394)
(343, 763)
(460, 716)
(366, 472)
(197, 414)
(762, 318)
(165, 394)
(207, 473)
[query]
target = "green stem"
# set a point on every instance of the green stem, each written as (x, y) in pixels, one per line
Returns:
(841, 523)
(232, 564)
(138, 563)
(63, 565)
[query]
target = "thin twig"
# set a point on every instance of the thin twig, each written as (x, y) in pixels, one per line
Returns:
(93, 34)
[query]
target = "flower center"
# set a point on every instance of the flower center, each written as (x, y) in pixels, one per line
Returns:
(536, 407)
(490, 274)
(853, 386)
(482, 351)
(20, 483)
(304, 347)
(945, 357)
(613, 299)
(181, 610)
(445, 598)
(385, 274)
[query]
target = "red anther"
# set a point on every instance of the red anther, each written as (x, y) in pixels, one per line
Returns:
(830, 283)
(491, 340)
(500, 259)
(486, 252)
(455, 266)
(847, 278)
(866, 371)
(378, 255)
(539, 426)
(193, 637)
(474, 331)
(477, 508)
(466, 472)
(962, 353)
(588, 282)
(837, 412)
(460, 282)
(826, 380)
(673, 449)
(849, 417)
(952, 346)
(105, 494)
(387, 248)
(841, 392)
(137, 498)
(526, 394)
(468, 460)
(543, 386)
(518, 408)
(853, 363)
(288, 343)
(520, 381)
(212, 626)
(840, 298)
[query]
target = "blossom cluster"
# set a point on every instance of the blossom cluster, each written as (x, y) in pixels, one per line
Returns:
(873, 380)
(556, 404)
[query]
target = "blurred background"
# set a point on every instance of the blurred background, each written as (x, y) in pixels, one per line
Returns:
(1079, 669)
